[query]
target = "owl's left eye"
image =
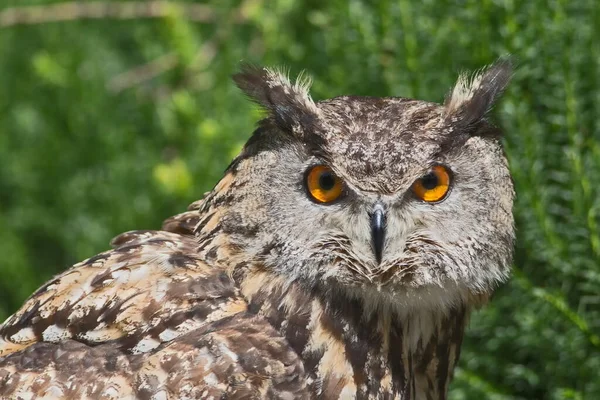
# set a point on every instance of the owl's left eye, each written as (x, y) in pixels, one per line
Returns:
(434, 186)
(323, 185)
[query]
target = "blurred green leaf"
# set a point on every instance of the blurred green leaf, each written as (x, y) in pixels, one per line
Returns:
(174, 177)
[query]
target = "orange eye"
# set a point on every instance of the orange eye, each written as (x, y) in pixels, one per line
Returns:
(434, 186)
(323, 185)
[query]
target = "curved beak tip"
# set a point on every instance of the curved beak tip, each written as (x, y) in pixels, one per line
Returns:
(378, 231)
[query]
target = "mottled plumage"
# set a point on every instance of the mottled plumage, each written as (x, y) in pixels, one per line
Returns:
(257, 291)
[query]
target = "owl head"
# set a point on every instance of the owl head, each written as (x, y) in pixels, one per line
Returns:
(394, 200)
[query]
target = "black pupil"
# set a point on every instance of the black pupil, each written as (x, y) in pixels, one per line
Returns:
(430, 181)
(326, 181)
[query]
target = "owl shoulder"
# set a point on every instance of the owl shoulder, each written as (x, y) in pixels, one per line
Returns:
(149, 289)
(239, 357)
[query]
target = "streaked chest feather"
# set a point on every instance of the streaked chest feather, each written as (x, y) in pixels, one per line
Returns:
(350, 354)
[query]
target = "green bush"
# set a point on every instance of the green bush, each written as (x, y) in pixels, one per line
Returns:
(112, 121)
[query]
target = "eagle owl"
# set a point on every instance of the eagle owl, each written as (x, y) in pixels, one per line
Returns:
(339, 257)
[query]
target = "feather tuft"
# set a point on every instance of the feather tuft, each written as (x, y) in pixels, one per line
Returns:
(474, 95)
(289, 103)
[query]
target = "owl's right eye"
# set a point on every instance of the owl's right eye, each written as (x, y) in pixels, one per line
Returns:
(323, 185)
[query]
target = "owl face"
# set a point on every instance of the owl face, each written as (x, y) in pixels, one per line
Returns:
(387, 197)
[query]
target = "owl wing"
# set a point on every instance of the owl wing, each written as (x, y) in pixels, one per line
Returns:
(240, 357)
(149, 289)
(139, 319)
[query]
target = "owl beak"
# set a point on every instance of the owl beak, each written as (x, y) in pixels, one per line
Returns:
(378, 230)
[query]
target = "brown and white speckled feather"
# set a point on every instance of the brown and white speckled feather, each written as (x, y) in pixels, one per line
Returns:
(151, 288)
(258, 292)
(240, 356)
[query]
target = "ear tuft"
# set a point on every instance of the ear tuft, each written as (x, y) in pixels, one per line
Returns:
(289, 103)
(473, 96)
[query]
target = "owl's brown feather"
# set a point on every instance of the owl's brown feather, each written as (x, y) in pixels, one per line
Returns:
(149, 289)
(240, 356)
(99, 320)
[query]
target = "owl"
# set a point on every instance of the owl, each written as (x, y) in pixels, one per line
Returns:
(339, 257)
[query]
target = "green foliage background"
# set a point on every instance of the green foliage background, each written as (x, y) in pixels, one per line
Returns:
(110, 124)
